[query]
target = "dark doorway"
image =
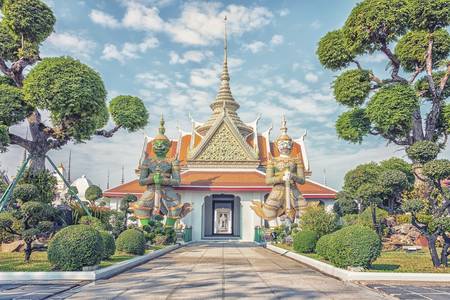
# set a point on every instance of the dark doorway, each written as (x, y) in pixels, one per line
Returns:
(221, 215)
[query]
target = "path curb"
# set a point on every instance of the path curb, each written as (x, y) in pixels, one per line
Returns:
(86, 275)
(360, 276)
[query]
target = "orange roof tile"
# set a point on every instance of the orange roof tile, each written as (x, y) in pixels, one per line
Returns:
(225, 181)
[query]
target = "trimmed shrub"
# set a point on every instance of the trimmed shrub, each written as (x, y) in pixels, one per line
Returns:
(74, 247)
(109, 245)
(324, 244)
(318, 220)
(305, 241)
(93, 222)
(356, 246)
(131, 241)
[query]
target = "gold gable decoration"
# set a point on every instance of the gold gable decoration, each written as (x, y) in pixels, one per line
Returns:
(223, 146)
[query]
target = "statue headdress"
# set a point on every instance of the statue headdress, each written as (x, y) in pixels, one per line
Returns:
(283, 136)
(161, 131)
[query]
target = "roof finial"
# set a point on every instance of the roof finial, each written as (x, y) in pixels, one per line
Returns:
(162, 129)
(225, 42)
(283, 124)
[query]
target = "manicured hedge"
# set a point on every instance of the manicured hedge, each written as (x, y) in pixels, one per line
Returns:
(305, 241)
(356, 246)
(323, 245)
(74, 247)
(109, 245)
(131, 241)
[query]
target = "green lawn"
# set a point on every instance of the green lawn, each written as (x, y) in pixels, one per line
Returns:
(15, 261)
(394, 261)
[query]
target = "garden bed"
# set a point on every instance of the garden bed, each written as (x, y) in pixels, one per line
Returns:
(392, 261)
(14, 262)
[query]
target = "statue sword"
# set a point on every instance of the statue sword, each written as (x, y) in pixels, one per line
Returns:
(157, 194)
(287, 184)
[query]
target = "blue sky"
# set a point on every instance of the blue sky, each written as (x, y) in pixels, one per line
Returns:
(169, 53)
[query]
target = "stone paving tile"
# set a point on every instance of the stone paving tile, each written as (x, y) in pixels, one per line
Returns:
(416, 291)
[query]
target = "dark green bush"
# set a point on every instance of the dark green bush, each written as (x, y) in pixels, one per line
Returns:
(324, 244)
(93, 222)
(131, 241)
(109, 245)
(316, 219)
(356, 246)
(305, 241)
(74, 247)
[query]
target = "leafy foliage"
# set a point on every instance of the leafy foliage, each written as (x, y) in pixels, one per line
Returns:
(73, 93)
(32, 19)
(428, 14)
(25, 192)
(423, 151)
(437, 170)
(45, 183)
(373, 23)
(12, 108)
(316, 219)
(93, 193)
(344, 204)
(356, 246)
(353, 125)
(4, 138)
(129, 112)
(390, 109)
(305, 241)
(352, 87)
(324, 244)
(74, 247)
(92, 222)
(332, 51)
(109, 245)
(395, 163)
(411, 49)
(131, 241)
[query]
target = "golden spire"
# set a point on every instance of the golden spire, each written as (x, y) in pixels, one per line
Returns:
(284, 135)
(162, 129)
(224, 101)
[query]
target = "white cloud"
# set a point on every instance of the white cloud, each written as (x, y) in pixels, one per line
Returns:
(189, 56)
(292, 86)
(284, 12)
(154, 80)
(204, 77)
(277, 39)
(71, 43)
(141, 17)
(103, 19)
(374, 58)
(255, 46)
(315, 24)
(311, 77)
(129, 50)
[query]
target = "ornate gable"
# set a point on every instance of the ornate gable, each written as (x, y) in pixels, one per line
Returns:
(222, 146)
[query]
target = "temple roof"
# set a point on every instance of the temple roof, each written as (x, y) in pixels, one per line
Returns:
(220, 180)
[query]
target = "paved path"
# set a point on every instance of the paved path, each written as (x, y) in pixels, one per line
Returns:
(221, 271)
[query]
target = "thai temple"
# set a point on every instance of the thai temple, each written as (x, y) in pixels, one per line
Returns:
(223, 164)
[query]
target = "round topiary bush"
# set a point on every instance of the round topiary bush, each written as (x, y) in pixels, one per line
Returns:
(305, 241)
(74, 247)
(323, 245)
(109, 245)
(356, 246)
(131, 241)
(92, 221)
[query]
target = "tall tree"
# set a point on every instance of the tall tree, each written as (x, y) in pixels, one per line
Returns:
(73, 93)
(411, 104)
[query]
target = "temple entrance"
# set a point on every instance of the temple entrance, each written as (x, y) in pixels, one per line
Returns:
(221, 216)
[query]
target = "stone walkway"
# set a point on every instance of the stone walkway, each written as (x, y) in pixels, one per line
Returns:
(221, 271)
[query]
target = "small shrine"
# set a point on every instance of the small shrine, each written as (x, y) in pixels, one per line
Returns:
(226, 176)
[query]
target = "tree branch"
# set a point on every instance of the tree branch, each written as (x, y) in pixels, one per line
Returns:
(429, 68)
(395, 63)
(444, 80)
(108, 133)
(20, 141)
(416, 73)
(358, 65)
(18, 66)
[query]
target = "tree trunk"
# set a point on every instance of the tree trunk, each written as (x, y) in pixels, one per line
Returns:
(28, 250)
(39, 147)
(444, 254)
(433, 251)
(374, 220)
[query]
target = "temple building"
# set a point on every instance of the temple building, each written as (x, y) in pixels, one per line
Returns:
(223, 163)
